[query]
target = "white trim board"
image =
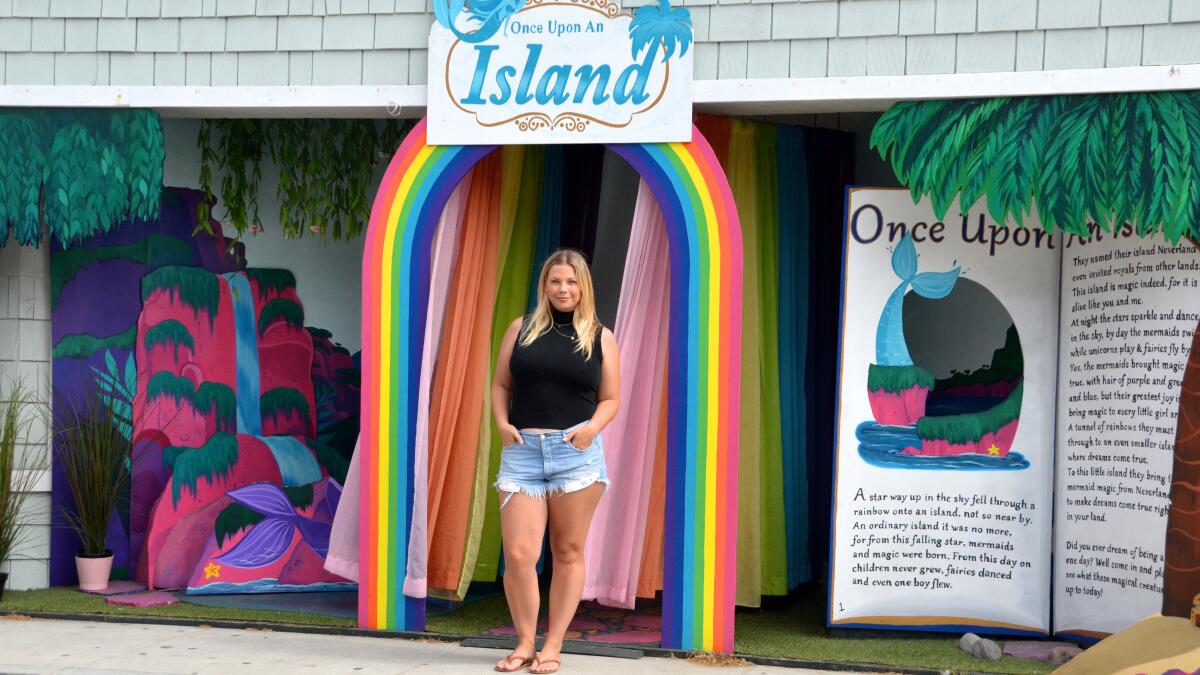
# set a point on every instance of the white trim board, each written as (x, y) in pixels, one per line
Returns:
(744, 96)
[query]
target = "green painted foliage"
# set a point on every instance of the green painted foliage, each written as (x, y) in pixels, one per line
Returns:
(167, 384)
(170, 333)
(65, 264)
(897, 379)
(281, 401)
(82, 345)
(81, 172)
(281, 309)
(118, 387)
(193, 286)
(971, 428)
(270, 281)
(332, 460)
(1104, 158)
(210, 461)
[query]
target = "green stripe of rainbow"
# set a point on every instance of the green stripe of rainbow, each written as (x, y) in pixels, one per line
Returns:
(703, 378)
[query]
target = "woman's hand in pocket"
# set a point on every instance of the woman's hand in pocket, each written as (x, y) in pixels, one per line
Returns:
(509, 436)
(580, 438)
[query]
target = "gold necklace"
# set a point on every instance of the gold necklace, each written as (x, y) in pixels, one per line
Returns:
(556, 330)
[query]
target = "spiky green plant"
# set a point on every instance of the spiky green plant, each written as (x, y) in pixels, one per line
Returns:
(95, 458)
(281, 309)
(195, 287)
(19, 468)
(79, 172)
(171, 333)
(1103, 158)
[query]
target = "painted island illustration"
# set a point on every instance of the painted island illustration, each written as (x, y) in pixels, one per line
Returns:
(945, 388)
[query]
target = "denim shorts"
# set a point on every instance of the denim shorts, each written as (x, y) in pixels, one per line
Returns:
(546, 464)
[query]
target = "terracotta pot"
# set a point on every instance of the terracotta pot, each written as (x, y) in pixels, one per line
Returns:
(93, 571)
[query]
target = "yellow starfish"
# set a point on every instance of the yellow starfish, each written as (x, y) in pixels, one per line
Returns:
(994, 451)
(212, 570)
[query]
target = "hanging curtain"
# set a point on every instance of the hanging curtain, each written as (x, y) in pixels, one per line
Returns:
(445, 250)
(793, 343)
(650, 578)
(742, 182)
(456, 403)
(511, 300)
(582, 167)
(770, 463)
(549, 218)
(343, 542)
(613, 552)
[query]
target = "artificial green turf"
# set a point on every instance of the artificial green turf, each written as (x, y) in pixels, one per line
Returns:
(794, 629)
(71, 601)
(791, 628)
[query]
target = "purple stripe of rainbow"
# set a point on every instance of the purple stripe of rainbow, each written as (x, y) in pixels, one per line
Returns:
(705, 344)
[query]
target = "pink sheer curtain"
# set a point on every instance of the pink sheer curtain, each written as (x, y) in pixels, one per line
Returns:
(613, 553)
(342, 559)
(444, 252)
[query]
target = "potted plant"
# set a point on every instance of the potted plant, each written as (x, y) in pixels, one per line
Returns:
(19, 470)
(95, 460)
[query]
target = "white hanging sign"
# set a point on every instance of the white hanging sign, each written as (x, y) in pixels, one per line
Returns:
(558, 71)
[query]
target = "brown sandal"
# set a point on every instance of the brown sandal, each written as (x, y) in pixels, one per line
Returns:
(525, 662)
(538, 661)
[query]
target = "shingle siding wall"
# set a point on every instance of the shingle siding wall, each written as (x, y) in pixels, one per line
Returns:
(379, 42)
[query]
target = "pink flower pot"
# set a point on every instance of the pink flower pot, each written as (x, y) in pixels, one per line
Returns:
(93, 572)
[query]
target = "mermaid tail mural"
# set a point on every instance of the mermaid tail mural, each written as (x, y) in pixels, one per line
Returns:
(962, 420)
(897, 388)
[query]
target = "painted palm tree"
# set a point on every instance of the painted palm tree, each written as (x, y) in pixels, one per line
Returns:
(489, 16)
(1105, 159)
(80, 173)
(660, 25)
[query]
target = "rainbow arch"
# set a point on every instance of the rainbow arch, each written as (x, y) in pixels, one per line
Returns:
(704, 373)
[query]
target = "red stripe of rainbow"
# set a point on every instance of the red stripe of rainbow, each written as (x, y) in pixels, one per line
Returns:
(703, 387)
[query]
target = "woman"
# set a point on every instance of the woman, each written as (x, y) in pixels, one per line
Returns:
(556, 388)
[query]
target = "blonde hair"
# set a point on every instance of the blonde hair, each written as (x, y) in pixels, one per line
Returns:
(585, 323)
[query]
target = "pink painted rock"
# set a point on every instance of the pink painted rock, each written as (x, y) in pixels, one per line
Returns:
(118, 588)
(900, 410)
(151, 599)
(644, 621)
(1038, 650)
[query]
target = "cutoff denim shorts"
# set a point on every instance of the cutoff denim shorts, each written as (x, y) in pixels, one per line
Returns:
(546, 464)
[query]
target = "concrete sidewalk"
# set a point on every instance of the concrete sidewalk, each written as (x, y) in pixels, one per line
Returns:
(44, 646)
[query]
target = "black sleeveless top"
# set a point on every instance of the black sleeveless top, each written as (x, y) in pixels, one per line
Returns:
(553, 387)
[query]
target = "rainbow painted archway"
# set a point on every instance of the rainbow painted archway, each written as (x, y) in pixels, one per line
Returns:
(703, 387)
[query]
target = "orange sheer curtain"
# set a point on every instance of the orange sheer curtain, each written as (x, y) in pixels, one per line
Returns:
(456, 407)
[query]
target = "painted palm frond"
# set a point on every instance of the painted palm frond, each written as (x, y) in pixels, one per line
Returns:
(80, 173)
(281, 309)
(170, 333)
(1108, 159)
(658, 25)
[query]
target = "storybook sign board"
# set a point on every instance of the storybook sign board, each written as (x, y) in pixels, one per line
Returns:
(524, 73)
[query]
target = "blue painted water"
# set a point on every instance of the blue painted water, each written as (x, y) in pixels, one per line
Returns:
(883, 446)
(249, 412)
(267, 586)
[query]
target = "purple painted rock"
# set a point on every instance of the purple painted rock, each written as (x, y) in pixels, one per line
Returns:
(151, 599)
(119, 588)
